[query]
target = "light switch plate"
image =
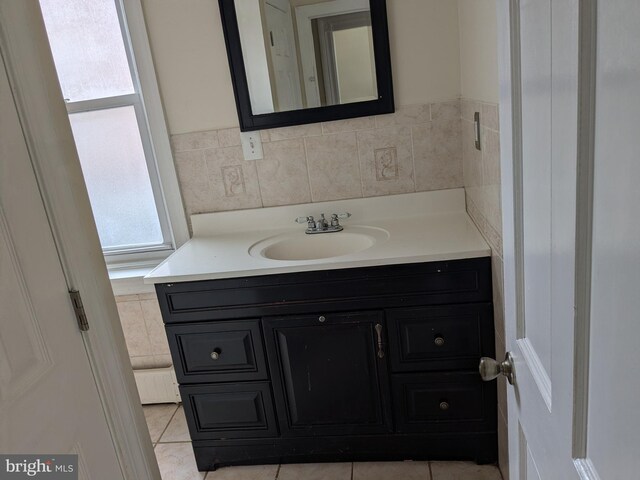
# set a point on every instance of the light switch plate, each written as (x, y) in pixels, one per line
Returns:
(251, 145)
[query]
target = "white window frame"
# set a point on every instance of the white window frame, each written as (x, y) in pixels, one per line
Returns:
(132, 263)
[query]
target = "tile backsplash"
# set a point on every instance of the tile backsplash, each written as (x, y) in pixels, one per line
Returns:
(417, 148)
(481, 170)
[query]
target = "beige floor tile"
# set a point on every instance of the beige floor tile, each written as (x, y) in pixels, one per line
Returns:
(176, 462)
(315, 471)
(177, 431)
(464, 471)
(391, 471)
(253, 472)
(158, 417)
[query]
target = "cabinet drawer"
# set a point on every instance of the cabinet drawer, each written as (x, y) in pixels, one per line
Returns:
(218, 352)
(443, 402)
(433, 283)
(243, 410)
(436, 338)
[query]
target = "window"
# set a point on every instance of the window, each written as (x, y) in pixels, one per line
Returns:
(93, 54)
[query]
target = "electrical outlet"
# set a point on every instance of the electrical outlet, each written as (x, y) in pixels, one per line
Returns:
(251, 145)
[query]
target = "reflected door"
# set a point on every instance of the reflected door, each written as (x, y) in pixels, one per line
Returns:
(283, 56)
(346, 58)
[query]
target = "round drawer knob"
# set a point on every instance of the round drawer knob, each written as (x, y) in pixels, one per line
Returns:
(215, 355)
(321, 318)
(439, 341)
(444, 406)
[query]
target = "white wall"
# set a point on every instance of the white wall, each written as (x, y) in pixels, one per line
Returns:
(425, 52)
(193, 72)
(478, 50)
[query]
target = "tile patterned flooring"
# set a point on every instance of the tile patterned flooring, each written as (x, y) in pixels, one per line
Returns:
(170, 437)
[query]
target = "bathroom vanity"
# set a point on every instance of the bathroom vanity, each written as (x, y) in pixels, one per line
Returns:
(368, 355)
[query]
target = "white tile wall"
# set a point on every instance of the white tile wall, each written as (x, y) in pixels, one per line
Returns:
(143, 331)
(417, 148)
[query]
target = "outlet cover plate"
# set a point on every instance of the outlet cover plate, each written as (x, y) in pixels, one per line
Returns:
(251, 145)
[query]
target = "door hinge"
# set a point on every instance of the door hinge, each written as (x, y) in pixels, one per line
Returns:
(78, 308)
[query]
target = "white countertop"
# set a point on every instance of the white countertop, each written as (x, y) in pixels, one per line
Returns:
(422, 227)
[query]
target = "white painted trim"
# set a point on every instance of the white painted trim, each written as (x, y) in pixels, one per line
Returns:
(522, 454)
(538, 372)
(156, 123)
(586, 470)
(304, 15)
(102, 103)
(43, 115)
(584, 224)
(130, 281)
(508, 53)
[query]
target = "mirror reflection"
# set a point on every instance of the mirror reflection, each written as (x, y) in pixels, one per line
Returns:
(306, 53)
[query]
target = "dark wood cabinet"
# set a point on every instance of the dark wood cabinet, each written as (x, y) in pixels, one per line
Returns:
(329, 373)
(243, 410)
(444, 337)
(218, 352)
(375, 363)
(443, 402)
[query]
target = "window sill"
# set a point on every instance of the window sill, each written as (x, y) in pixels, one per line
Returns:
(127, 272)
(130, 281)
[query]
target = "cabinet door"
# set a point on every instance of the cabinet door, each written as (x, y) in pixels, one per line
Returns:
(329, 373)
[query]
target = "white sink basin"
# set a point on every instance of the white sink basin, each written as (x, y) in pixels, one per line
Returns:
(298, 246)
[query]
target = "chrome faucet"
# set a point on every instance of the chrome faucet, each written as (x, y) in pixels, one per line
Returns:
(321, 225)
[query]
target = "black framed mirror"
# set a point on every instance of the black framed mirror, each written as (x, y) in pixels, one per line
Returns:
(295, 62)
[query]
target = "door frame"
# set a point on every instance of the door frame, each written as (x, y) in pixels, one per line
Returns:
(304, 15)
(511, 168)
(24, 48)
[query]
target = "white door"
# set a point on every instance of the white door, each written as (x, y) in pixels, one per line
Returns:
(284, 58)
(539, 115)
(49, 402)
(572, 335)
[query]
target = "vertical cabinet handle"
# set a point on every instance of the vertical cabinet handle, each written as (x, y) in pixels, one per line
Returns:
(378, 328)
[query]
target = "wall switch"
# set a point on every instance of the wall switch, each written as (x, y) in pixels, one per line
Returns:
(251, 145)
